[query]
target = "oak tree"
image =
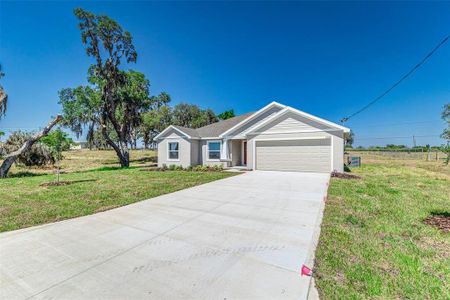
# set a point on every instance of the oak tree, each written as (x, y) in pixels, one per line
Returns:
(119, 96)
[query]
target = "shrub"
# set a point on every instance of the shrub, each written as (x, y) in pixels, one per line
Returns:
(217, 168)
(199, 168)
(38, 155)
(58, 140)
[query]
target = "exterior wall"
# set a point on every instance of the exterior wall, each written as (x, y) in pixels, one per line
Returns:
(184, 151)
(195, 152)
(292, 122)
(292, 126)
(338, 150)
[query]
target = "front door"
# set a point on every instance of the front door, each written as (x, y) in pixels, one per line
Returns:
(244, 145)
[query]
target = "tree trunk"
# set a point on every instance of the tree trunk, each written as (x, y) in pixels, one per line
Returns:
(11, 157)
(145, 139)
(121, 149)
(124, 155)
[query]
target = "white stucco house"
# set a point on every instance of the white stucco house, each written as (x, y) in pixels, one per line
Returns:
(276, 137)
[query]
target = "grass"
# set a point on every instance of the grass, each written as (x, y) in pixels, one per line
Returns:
(100, 185)
(84, 159)
(374, 244)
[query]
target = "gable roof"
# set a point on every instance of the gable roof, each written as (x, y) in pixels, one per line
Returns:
(251, 117)
(189, 131)
(221, 128)
(183, 130)
(211, 130)
(300, 113)
(216, 129)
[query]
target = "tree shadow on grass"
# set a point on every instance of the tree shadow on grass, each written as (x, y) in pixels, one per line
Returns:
(441, 213)
(142, 160)
(151, 159)
(65, 182)
(103, 169)
(25, 174)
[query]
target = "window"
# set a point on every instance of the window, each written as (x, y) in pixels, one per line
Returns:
(173, 150)
(214, 150)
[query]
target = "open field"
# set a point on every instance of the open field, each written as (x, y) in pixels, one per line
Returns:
(374, 243)
(405, 161)
(81, 160)
(97, 184)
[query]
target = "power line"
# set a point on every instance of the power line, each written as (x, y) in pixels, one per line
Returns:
(345, 119)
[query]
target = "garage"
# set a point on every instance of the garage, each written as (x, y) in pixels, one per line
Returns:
(300, 155)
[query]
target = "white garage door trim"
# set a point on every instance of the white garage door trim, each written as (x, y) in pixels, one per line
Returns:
(293, 139)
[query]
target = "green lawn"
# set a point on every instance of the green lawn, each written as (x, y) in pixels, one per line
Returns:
(373, 243)
(85, 159)
(23, 202)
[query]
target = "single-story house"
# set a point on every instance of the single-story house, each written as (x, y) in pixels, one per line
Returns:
(276, 137)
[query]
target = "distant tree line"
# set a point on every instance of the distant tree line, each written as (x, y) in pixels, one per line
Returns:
(393, 147)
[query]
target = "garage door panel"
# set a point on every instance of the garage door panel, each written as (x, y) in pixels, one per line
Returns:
(300, 142)
(312, 155)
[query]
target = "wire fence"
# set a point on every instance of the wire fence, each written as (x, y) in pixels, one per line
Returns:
(417, 154)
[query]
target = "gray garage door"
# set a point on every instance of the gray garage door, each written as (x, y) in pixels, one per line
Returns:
(294, 155)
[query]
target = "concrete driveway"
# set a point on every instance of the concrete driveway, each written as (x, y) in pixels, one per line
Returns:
(243, 237)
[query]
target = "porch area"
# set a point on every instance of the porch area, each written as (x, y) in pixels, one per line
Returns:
(237, 150)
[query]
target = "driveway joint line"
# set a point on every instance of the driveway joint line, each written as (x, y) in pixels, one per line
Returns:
(119, 254)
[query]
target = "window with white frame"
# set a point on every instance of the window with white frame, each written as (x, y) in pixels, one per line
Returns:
(214, 150)
(173, 148)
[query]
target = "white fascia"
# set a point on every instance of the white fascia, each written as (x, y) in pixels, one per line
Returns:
(245, 121)
(301, 113)
(174, 128)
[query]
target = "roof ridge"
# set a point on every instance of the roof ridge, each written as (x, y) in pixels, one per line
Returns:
(227, 120)
(179, 126)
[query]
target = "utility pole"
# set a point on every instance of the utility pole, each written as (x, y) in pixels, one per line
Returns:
(414, 141)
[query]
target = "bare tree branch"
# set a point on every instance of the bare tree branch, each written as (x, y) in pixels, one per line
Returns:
(11, 157)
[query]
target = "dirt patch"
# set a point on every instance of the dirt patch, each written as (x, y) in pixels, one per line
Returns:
(441, 248)
(344, 175)
(340, 278)
(441, 221)
(56, 183)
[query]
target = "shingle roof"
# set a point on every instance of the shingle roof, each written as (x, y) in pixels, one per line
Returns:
(215, 129)
(189, 131)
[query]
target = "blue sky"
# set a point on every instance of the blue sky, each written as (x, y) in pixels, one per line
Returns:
(327, 59)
